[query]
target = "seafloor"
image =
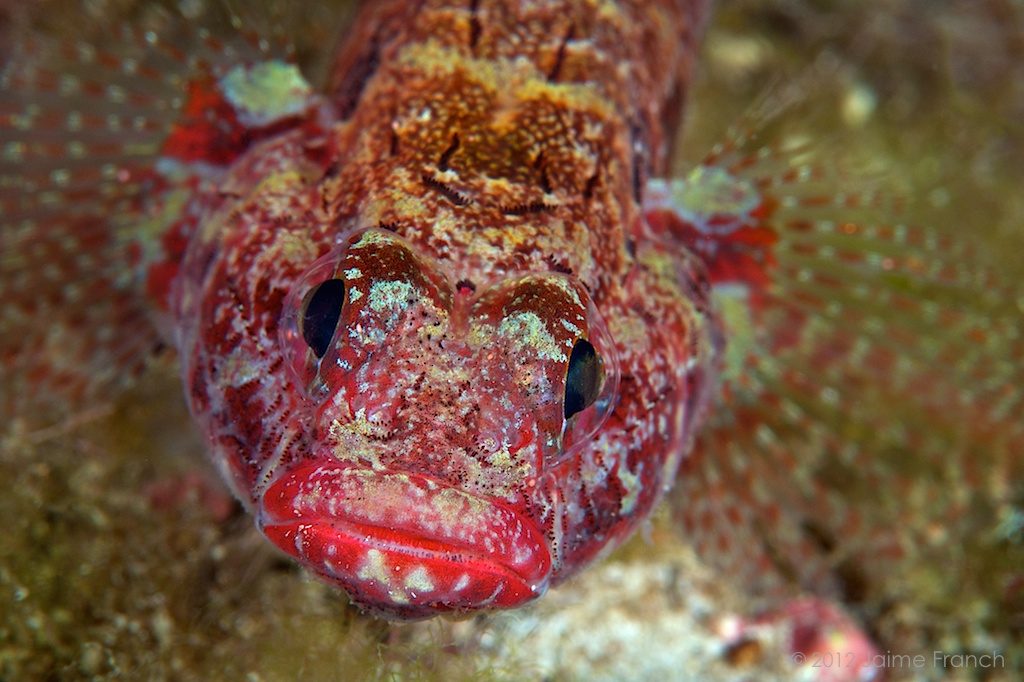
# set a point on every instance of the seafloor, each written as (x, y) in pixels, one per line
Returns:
(121, 558)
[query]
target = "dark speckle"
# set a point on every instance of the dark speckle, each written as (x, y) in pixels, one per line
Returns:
(446, 156)
(556, 68)
(588, 189)
(525, 209)
(449, 193)
(631, 248)
(475, 27)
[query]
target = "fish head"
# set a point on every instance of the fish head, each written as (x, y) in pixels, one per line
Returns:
(434, 409)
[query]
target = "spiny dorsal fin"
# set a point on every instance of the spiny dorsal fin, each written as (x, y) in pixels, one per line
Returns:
(93, 178)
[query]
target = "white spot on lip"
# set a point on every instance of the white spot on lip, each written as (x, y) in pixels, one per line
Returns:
(493, 596)
(523, 555)
(419, 580)
(374, 568)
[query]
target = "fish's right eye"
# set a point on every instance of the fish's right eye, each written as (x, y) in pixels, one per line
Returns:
(321, 310)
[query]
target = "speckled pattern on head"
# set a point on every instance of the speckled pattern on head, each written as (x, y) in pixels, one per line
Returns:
(472, 184)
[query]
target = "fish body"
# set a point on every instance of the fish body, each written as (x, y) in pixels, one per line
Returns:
(395, 291)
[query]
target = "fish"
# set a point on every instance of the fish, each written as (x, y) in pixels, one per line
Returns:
(451, 329)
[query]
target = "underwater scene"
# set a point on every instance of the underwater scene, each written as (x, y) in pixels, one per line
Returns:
(477, 340)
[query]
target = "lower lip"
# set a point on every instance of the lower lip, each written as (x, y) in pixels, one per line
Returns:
(404, 545)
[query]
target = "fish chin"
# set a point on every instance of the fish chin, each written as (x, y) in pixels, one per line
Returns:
(403, 545)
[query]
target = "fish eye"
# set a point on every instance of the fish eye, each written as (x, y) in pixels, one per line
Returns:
(583, 379)
(321, 310)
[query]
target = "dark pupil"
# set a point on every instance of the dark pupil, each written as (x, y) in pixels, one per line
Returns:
(320, 314)
(583, 382)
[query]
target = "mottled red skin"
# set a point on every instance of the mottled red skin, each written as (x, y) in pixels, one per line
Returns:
(503, 152)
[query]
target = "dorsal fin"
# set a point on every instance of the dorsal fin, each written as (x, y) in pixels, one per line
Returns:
(102, 146)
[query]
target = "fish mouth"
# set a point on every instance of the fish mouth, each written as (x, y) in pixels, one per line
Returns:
(405, 546)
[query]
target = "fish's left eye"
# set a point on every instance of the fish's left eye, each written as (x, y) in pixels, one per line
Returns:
(583, 379)
(321, 310)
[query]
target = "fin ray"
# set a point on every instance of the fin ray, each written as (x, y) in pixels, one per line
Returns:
(81, 130)
(869, 364)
